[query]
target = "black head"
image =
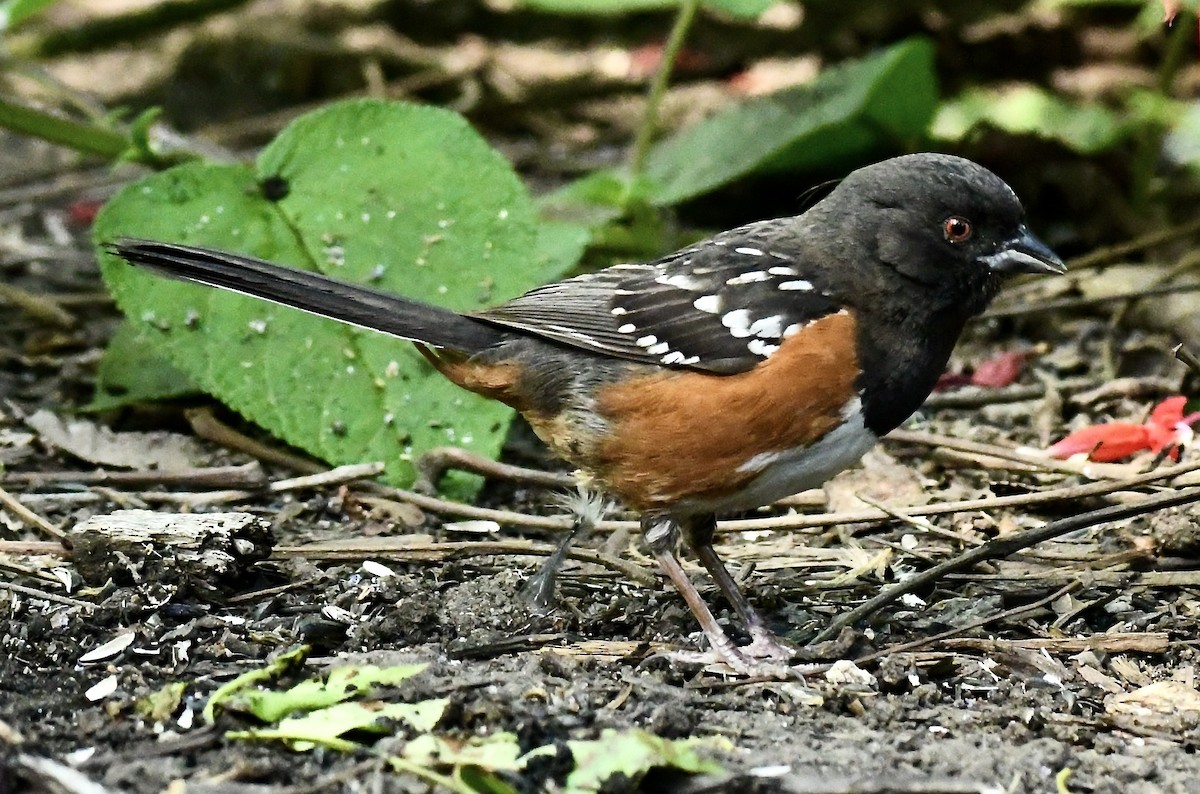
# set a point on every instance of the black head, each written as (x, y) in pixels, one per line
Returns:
(943, 224)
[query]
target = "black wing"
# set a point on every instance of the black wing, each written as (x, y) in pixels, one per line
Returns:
(722, 306)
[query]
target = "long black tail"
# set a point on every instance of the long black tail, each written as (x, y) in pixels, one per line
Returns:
(312, 292)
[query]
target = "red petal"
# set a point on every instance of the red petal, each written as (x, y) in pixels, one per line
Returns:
(1000, 370)
(1105, 443)
(1168, 413)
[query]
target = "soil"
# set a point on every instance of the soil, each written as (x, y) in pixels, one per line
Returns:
(1069, 667)
(1003, 707)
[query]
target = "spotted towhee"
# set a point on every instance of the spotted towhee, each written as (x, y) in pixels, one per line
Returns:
(727, 375)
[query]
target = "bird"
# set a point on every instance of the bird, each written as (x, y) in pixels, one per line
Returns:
(722, 377)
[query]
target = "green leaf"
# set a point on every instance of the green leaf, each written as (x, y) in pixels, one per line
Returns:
(1182, 145)
(593, 205)
(1023, 109)
(848, 112)
(748, 9)
(327, 726)
(632, 754)
(281, 665)
(133, 371)
(499, 752)
(342, 683)
(408, 198)
(590, 202)
(474, 761)
(14, 12)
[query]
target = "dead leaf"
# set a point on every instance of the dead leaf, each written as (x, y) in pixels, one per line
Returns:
(101, 446)
(1099, 679)
(1170, 707)
(1000, 370)
(880, 479)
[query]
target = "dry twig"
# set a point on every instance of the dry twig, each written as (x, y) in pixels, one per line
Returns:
(1006, 546)
(455, 550)
(12, 505)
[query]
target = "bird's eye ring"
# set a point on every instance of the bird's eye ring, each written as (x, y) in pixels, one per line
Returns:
(957, 229)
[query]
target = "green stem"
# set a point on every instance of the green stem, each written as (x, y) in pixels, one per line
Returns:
(404, 765)
(85, 138)
(658, 86)
(1149, 141)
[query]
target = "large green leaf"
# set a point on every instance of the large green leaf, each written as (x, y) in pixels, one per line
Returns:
(133, 371)
(1085, 127)
(405, 197)
(849, 111)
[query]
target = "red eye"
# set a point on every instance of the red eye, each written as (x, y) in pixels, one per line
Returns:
(957, 229)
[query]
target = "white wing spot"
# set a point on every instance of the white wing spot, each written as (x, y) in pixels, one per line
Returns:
(783, 271)
(798, 284)
(627, 328)
(794, 329)
(709, 304)
(760, 348)
(647, 341)
(768, 326)
(738, 322)
(659, 349)
(748, 251)
(682, 281)
(749, 277)
(617, 311)
(675, 357)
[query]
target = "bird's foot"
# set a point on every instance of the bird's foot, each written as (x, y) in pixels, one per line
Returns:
(766, 646)
(765, 657)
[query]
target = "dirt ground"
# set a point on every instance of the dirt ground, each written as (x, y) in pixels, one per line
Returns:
(1066, 667)
(1074, 682)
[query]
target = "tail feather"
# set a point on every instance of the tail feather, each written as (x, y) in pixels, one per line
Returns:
(312, 292)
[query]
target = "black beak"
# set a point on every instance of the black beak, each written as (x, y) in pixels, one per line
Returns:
(1024, 254)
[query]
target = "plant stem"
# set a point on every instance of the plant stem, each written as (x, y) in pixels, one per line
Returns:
(658, 86)
(1149, 142)
(85, 138)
